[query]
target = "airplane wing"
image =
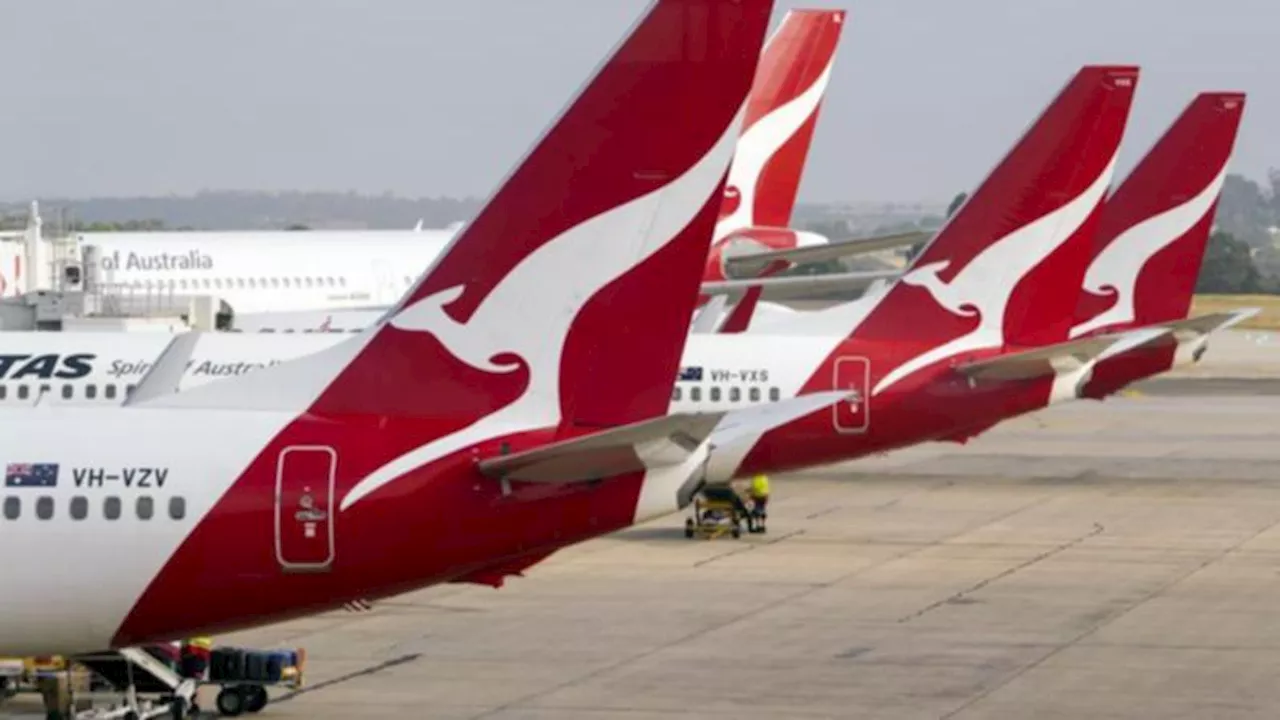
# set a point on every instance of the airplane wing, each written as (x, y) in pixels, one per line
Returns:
(799, 287)
(752, 264)
(1062, 357)
(659, 442)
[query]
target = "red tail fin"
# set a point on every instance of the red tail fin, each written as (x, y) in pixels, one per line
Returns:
(782, 112)
(1153, 231)
(1006, 268)
(543, 306)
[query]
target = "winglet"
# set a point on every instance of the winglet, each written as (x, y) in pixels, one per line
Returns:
(165, 376)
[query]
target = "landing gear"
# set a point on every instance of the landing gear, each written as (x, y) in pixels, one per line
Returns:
(234, 700)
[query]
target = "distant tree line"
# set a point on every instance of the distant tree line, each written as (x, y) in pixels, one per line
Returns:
(1242, 256)
(237, 210)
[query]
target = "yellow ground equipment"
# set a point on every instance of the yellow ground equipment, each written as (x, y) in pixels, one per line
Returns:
(717, 510)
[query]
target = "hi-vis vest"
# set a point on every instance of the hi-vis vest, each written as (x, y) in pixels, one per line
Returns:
(760, 486)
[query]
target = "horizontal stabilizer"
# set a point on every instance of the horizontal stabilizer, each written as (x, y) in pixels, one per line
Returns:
(660, 442)
(799, 287)
(1062, 357)
(752, 264)
(1195, 327)
(165, 376)
(665, 440)
(753, 421)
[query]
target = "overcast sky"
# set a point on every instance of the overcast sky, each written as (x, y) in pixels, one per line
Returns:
(438, 97)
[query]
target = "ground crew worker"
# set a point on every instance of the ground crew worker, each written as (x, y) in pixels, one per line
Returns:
(759, 503)
(195, 657)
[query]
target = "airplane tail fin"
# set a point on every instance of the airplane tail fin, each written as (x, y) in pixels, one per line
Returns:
(1155, 227)
(781, 114)
(542, 306)
(1005, 270)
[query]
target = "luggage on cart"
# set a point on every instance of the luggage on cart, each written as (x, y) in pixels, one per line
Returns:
(255, 666)
(226, 665)
(276, 663)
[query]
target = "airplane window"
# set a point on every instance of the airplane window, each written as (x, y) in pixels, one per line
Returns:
(342, 281)
(775, 394)
(44, 507)
(217, 282)
(177, 508)
(754, 393)
(67, 391)
(206, 283)
(111, 508)
(44, 389)
(146, 507)
(240, 282)
(695, 394)
(182, 284)
(91, 391)
(23, 392)
(675, 394)
(735, 394)
(129, 390)
(12, 508)
(275, 282)
(109, 391)
(3, 391)
(715, 394)
(252, 283)
(308, 282)
(79, 507)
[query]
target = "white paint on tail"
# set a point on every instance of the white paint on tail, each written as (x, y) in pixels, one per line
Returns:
(531, 318)
(760, 143)
(1115, 271)
(984, 286)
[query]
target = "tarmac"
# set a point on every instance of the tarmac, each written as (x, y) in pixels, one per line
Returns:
(1116, 559)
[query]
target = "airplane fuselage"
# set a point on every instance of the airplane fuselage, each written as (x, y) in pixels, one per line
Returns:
(171, 537)
(171, 526)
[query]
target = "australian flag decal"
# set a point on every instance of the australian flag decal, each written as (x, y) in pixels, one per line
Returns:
(692, 373)
(20, 475)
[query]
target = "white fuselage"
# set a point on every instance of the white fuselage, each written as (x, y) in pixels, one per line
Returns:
(95, 368)
(274, 280)
(163, 456)
(269, 272)
(71, 578)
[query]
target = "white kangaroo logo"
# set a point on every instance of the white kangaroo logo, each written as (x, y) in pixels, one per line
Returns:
(984, 286)
(761, 142)
(1114, 272)
(531, 310)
